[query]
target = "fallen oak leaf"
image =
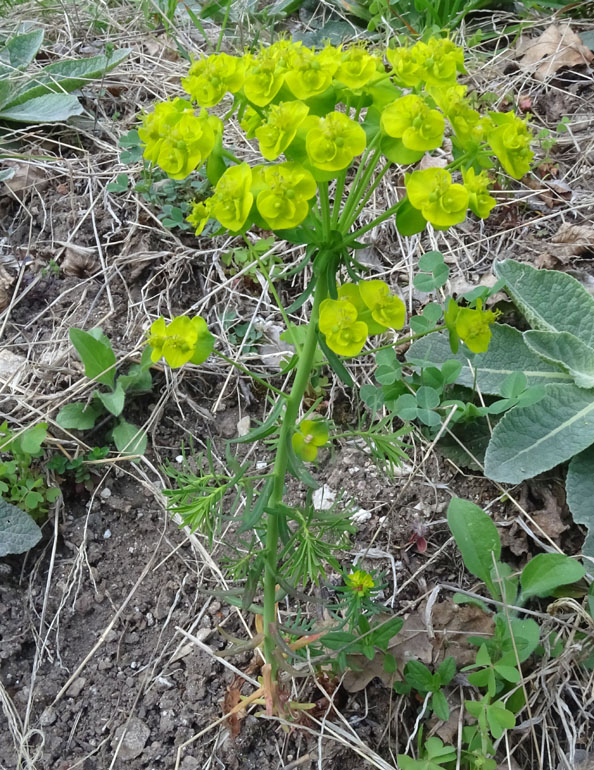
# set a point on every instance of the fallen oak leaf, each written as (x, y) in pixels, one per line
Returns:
(558, 46)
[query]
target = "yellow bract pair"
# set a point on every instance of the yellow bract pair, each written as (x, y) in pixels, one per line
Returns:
(281, 194)
(361, 310)
(181, 341)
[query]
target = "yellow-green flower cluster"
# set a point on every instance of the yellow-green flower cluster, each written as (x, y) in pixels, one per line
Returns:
(315, 112)
(310, 435)
(177, 140)
(471, 325)
(361, 310)
(361, 583)
(181, 341)
(279, 195)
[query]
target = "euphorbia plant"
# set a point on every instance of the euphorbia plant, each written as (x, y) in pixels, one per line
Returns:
(329, 125)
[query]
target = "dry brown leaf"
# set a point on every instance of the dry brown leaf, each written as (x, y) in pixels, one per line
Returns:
(79, 261)
(25, 177)
(557, 47)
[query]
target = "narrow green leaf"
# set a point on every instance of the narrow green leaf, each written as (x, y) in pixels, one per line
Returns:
(536, 438)
(51, 108)
(549, 299)
(418, 676)
(567, 351)
(477, 538)
(447, 670)
(253, 514)
(97, 356)
(580, 494)
(440, 706)
(265, 429)
(507, 354)
(335, 363)
(548, 571)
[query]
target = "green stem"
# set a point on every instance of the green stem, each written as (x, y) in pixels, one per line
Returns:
(360, 182)
(325, 208)
(245, 370)
(280, 466)
(370, 191)
(338, 197)
(405, 340)
(223, 27)
(386, 215)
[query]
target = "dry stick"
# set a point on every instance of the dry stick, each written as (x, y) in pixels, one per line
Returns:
(206, 648)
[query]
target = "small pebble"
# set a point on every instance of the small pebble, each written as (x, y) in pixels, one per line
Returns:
(105, 493)
(107, 534)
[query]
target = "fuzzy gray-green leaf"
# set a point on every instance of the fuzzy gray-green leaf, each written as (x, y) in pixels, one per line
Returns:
(580, 494)
(536, 438)
(549, 299)
(567, 351)
(50, 108)
(18, 531)
(507, 354)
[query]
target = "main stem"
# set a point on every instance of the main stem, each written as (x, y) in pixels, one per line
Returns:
(280, 466)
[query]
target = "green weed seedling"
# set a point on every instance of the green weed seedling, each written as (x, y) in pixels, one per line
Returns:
(24, 495)
(544, 378)
(418, 677)
(44, 95)
(96, 353)
(81, 468)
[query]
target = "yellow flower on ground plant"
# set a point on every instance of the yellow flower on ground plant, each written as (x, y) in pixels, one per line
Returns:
(360, 583)
(344, 334)
(356, 67)
(200, 215)
(406, 65)
(176, 139)
(232, 199)
(310, 435)
(280, 128)
(473, 326)
(209, 79)
(510, 141)
(350, 292)
(183, 340)
(266, 71)
(441, 202)
(283, 194)
(332, 142)
(441, 61)
(411, 120)
(386, 309)
(479, 200)
(310, 74)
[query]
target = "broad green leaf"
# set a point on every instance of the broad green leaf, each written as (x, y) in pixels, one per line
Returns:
(580, 494)
(526, 633)
(114, 401)
(66, 76)
(548, 571)
(477, 538)
(409, 220)
(20, 51)
(129, 439)
(418, 676)
(549, 299)
(427, 398)
(77, 417)
(32, 439)
(389, 369)
(507, 354)
(372, 397)
(536, 438)
(567, 351)
(97, 356)
(447, 670)
(50, 108)
(138, 380)
(499, 719)
(18, 531)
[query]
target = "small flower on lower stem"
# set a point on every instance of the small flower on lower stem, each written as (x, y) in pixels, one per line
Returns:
(360, 583)
(310, 435)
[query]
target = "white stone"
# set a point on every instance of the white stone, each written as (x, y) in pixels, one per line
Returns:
(323, 498)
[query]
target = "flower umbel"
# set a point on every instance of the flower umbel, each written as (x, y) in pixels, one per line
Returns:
(184, 339)
(411, 120)
(310, 435)
(283, 192)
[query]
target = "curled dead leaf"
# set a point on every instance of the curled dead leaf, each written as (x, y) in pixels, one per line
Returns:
(558, 46)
